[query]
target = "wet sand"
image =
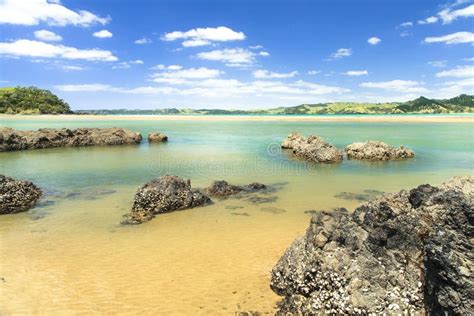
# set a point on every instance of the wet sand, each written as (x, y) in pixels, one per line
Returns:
(454, 118)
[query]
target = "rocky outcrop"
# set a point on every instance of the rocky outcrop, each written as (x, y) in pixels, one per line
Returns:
(163, 195)
(409, 252)
(157, 137)
(222, 189)
(375, 150)
(17, 195)
(313, 148)
(11, 139)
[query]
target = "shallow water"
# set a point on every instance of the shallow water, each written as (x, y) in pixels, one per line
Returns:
(70, 255)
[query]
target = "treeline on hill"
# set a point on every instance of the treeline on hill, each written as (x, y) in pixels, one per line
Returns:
(31, 100)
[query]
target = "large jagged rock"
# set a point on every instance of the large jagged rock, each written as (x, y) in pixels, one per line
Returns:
(221, 188)
(313, 148)
(11, 139)
(376, 150)
(163, 195)
(409, 252)
(17, 195)
(157, 137)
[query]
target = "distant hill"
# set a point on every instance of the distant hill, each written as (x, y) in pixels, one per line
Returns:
(31, 100)
(461, 104)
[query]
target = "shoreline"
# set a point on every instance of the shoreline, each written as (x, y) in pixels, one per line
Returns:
(429, 118)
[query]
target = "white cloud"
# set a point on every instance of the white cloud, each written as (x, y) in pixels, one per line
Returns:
(93, 87)
(128, 64)
(264, 54)
(72, 68)
(164, 67)
(406, 86)
(342, 52)
(174, 74)
(405, 34)
(32, 12)
(49, 36)
(406, 24)
(313, 72)
(102, 34)
(438, 63)
(265, 74)
(143, 40)
(356, 73)
(232, 57)
(204, 36)
(449, 15)
(374, 40)
(137, 62)
(454, 38)
(28, 48)
(469, 59)
(256, 47)
(459, 72)
(429, 20)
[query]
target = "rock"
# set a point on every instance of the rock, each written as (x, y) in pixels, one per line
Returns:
(163, 195)
(313, 148)
(375, 150)
(222, 188)
(17, 195)
(409, 252)
(157, 137)
(11, 139)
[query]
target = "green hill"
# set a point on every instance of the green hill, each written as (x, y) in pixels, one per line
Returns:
(31, 100)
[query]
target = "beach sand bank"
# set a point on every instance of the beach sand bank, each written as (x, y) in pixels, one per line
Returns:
(290, 118)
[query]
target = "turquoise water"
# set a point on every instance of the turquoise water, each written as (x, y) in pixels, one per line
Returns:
(74, 251)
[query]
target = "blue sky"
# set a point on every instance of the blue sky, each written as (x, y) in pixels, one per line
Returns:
(237, 54)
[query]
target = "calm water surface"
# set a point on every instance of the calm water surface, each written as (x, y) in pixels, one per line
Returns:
(70, 255)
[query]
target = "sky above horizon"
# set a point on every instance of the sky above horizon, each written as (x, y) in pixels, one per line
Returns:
(237, 54)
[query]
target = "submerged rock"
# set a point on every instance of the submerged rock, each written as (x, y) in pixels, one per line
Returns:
(222, 188)
(17, 195)
(162, 195)
(375, 150)
(157, 137)
(313, 148)
(409, 252)
(11, 139)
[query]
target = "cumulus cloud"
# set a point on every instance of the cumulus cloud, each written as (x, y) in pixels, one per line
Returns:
(406, 86)
(72, 68)
(175, 74)
(406, 24)
(342, 52)
(438, 63)
(264, 54)
(448, 15)
(356, 73)
(256, 47)
(143, 40)
(459, 72)
(454, 38)
(102, 34)
(265, 74)
(48, 36)
(374, 40)
(313, 72)
(32, 12)
(128, 64)
(429, 20)
(204, 36)
(230, 56)
(28, 48)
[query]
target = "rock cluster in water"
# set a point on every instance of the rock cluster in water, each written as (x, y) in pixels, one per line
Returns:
(11, 139)
(222, 189)
(155, 137)
(313, 148)
(17, 195)
(409, 252)
(162, 195)
(376, 150)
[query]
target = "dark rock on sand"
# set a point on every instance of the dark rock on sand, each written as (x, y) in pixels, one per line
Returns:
(273, 210)
(409, 252)
(262, 199)
(17, 195)
(376, 150)
(367, 195)
(222, 188)
(157, 137)
(11, 139)
(240, 214)
(313, 148)
(162, 195)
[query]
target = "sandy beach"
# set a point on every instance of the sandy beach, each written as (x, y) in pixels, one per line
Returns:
(290, 118)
